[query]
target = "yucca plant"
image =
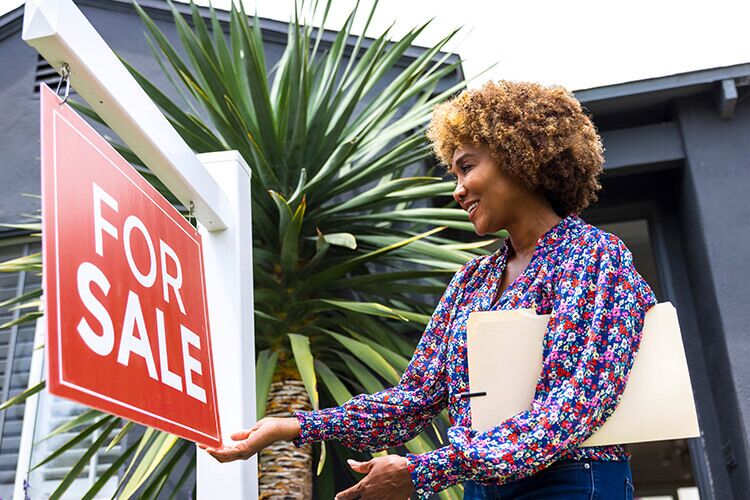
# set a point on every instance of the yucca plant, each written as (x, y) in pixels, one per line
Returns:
(349, 251)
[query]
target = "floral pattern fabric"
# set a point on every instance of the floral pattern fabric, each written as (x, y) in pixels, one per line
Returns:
(582, 276)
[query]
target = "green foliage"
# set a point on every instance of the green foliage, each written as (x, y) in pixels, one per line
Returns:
(346, 241)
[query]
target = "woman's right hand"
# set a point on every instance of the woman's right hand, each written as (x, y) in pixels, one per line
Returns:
(264, 433)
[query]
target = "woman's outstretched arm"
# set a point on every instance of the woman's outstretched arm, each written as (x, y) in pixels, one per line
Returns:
(372, 421)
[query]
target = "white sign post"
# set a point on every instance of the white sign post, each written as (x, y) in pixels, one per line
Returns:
(216, 184)
(229, 285)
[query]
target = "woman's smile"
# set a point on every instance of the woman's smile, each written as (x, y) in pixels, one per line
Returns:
(472, 208)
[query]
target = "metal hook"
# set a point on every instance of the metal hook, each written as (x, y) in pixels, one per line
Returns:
(64, 77)
(191, 214)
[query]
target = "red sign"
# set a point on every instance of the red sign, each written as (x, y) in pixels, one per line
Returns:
(125, 299)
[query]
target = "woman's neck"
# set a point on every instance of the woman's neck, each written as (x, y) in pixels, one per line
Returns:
(529, 226)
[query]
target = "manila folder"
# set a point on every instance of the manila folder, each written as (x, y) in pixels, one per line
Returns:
(505, 360)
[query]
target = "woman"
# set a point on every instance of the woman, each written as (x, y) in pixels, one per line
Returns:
(526, 159)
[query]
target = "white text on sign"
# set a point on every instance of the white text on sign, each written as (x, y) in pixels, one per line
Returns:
(103, 342)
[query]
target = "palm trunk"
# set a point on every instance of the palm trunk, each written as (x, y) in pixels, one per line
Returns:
(286, 471)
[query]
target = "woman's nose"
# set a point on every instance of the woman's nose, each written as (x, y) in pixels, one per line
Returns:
(459, 192)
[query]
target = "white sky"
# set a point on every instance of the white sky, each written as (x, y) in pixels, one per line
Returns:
(576, 43)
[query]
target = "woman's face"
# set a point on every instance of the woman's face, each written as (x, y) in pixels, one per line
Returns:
(491, 198)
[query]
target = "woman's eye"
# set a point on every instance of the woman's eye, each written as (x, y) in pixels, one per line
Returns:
(466, 167)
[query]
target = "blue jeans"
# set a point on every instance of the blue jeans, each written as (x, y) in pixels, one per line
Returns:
(584, 479)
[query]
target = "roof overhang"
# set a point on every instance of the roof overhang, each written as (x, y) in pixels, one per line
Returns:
(652, 92)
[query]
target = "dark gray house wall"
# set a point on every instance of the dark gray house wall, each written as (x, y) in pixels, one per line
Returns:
(716, 182)
(19, 124)
(677, 154)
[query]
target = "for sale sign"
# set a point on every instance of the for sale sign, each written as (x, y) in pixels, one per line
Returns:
(124, 292)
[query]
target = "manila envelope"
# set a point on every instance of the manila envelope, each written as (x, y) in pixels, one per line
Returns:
(505, 360)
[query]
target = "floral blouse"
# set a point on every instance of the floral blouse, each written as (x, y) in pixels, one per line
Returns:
(582, 276)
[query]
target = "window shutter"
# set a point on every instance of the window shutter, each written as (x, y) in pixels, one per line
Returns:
(44, 74)
(16, 346)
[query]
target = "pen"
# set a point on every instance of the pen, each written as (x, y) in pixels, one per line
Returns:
(463, 395)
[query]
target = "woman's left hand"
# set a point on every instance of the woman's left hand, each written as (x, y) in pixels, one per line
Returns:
(387, 478)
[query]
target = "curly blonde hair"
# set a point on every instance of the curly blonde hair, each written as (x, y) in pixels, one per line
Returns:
(537, 134)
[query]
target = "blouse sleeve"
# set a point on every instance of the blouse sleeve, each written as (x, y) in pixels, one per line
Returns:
(591, 339)
(394, 416)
